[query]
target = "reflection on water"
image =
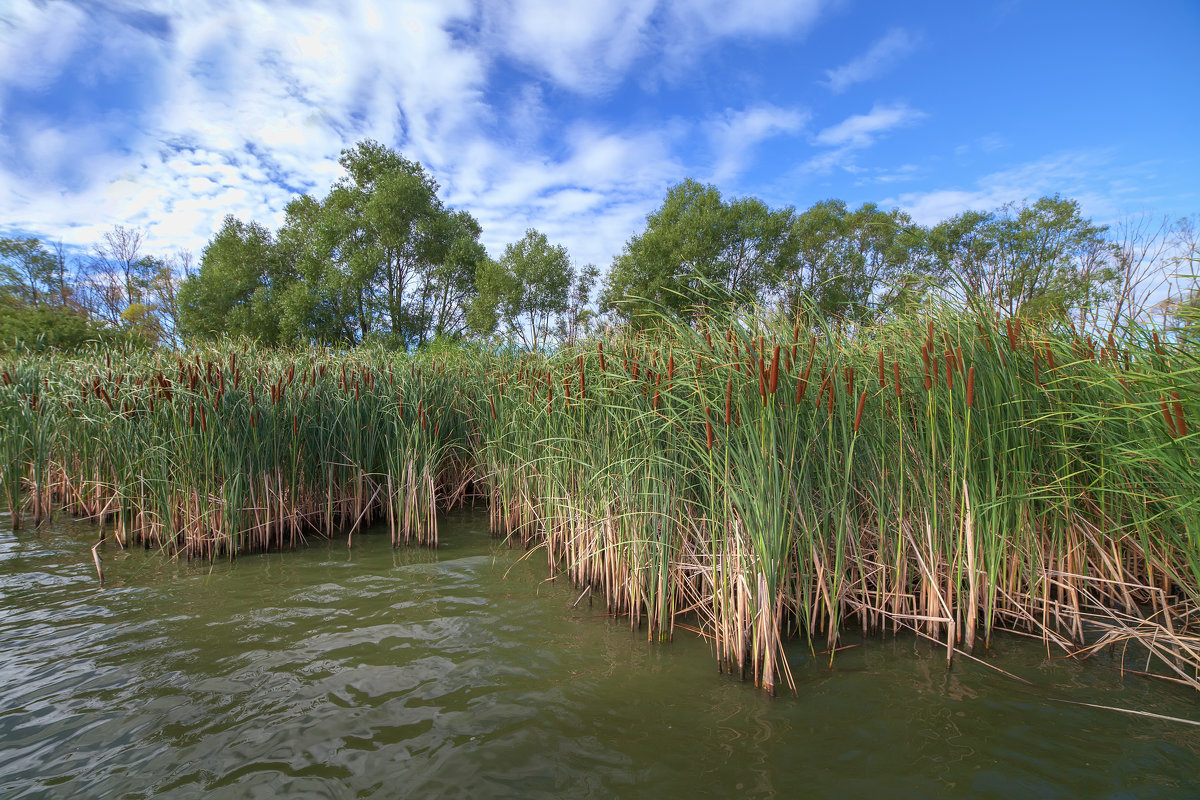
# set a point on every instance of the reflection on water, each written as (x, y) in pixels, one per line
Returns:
(378, 672)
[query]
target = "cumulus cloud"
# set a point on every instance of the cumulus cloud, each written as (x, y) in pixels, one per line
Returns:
(212, 109)
(894, 45)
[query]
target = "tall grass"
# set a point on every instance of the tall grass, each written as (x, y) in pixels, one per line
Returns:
(761, 479)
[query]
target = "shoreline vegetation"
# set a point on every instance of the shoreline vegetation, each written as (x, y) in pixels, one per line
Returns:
(756, 476)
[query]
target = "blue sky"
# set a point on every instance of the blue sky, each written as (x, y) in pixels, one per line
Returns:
(575, 117)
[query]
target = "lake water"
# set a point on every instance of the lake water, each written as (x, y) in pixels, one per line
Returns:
(464, 672)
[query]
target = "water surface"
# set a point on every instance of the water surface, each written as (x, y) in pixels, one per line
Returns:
(368, 671)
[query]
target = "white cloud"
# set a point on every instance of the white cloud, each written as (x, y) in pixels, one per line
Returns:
(736, 133)
(1087, 176)
(894, 45)
(253, 101)
(856, 133)
(861, 130)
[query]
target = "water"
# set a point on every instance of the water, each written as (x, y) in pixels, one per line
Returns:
(464, 672)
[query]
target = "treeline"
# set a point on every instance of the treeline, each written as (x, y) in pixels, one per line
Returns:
(382, 259)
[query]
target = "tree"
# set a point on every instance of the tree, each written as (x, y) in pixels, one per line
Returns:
(526, 291)
(234, 289)
(29, 274)
(1038, 260)
(698, 252)
(851, 265)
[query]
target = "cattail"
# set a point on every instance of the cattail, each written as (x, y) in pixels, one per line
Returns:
(925, 358)
(1050, 357)
(203, 420)
(7, 378)
(671, 368)
(708, 339)
(192, 417)
(832, 382)
(582, 383)
(801, 386)
(971, 387)
(708, 428)
(862, 402)
(1157, 345)
(762, 384)
(930, 331)
(1012, 339)
(949, 370)
(1166, 412)
(492, 403)
(655, 404)
(1177, 406)
(775, 370)
(882, 378)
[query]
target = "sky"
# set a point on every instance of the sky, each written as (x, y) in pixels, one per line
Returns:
(576, 117)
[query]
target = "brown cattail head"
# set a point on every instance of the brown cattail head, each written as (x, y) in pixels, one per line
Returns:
(775, 370)
(762, 380)
(971, 386)
(708, 429)
(492, 403)
(862, 401)
(1157, 344)
(655, 404)
(801, 386)
(1177, 407)
(1166, 412)
(949, 370)
(671, 367)
(882, 377)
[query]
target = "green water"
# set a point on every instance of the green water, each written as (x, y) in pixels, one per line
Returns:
(462, 672)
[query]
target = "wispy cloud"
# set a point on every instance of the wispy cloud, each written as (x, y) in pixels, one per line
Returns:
(1088, 176)
(735, 134)
(856, 133)
(861, 130)
(894, 45)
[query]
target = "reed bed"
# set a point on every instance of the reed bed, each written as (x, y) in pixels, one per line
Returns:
(949, 474)
(232, 450)
(759, 479)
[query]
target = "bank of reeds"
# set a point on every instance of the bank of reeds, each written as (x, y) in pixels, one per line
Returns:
(949, 475)
(232, 450)
(944, 473)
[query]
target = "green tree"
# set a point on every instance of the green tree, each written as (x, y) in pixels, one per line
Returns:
(235, 289)
(29, 273)
(526, 291)
(1040, 259)
(699, 251)
(851, 265)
